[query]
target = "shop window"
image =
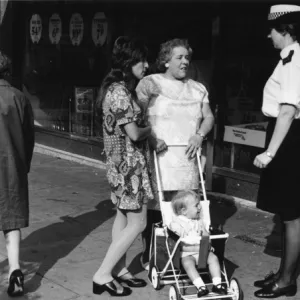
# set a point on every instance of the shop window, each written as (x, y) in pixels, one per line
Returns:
(245, 70)
(62, 78)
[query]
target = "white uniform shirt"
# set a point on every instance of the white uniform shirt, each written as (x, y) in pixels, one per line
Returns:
(284, 84)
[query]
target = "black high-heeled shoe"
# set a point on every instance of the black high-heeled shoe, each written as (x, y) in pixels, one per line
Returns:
(133, 282)
(274, 291)
(269, 278)
(16, 284)
(111, 288)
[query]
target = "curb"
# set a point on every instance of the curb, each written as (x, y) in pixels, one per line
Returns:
(230, 200)
(42, 149)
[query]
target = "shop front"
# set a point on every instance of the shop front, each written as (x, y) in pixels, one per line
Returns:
(64, 49)
(244, 63)
(65, 52)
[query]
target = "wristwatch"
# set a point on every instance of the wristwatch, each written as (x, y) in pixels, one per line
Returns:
(201, 134)
(269, 154)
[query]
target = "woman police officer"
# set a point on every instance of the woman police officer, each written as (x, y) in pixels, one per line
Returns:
(279, 187)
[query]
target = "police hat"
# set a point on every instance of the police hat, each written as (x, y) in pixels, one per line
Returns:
(284, 14)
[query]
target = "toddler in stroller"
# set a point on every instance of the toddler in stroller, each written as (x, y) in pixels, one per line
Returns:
(192, 222)
(186, 222)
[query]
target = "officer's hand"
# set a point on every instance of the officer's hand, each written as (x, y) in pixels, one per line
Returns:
(262, 160)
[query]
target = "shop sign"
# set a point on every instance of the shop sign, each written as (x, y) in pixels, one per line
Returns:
(99, 29)
(84, 99)
(76, 29)
(36, 28)
(55, 29)
(253, 134)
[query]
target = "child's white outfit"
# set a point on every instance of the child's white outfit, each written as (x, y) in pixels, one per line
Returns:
(184, 227)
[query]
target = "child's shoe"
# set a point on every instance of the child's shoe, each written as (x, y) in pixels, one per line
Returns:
(219, 289)
(202, 291)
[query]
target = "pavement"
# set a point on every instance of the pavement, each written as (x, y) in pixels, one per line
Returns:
(70, 228)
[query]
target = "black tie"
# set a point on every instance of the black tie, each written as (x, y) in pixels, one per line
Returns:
(288, 58)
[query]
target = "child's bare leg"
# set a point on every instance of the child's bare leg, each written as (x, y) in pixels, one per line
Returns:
(215, 272)
(214, 266)
(189, 265)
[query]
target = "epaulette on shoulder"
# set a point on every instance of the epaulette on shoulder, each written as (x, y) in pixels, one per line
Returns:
(288, 58)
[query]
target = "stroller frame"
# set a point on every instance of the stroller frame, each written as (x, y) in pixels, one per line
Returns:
(169, 274)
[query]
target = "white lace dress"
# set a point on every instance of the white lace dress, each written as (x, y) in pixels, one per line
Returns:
(173, 108)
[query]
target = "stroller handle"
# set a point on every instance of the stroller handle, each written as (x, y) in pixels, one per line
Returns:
(178, 145)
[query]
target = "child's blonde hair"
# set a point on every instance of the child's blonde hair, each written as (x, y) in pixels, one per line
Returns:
(179, 201)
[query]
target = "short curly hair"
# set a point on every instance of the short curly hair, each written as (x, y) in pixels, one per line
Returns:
(166, 49)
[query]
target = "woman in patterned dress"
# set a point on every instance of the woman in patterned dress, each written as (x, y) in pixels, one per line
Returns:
(125, 147)
(177, 108)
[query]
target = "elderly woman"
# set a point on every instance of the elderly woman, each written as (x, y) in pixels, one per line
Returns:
(177, 109)
(279, 186)
(16, 149)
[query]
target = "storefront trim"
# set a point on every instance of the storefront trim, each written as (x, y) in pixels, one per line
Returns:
(39, 148)
(69, 143)
(236, 174)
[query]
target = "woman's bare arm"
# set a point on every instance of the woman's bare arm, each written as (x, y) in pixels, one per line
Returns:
(136, 133)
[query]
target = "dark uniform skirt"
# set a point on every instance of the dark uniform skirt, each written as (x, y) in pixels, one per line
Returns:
(279, 184)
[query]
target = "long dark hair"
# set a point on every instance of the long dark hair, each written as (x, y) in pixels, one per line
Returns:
(127, 52)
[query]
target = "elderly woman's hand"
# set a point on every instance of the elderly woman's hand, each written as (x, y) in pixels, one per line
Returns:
(194, 144)
(262, 160)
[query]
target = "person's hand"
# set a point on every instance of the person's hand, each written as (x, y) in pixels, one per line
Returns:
(157, 144)
(194, 144)
(161, 146)
(262, 160)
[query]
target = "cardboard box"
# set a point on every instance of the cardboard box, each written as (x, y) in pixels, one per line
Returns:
(238, 134)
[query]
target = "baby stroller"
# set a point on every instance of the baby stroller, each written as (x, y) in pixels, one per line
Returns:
(164, 263)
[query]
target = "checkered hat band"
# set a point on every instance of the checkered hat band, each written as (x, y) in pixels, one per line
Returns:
(275, 15)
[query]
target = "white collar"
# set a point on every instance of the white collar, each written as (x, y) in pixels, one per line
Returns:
(285, 51)
(184, 218)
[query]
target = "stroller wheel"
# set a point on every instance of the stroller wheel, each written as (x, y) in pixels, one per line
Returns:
(235, 288)
(174, 293)
(155, 278)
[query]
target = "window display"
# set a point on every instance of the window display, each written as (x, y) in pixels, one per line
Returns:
(76, 29)
(66, 57)
(82, 119)
(99, 29)
(36, 28)
(55, 28)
